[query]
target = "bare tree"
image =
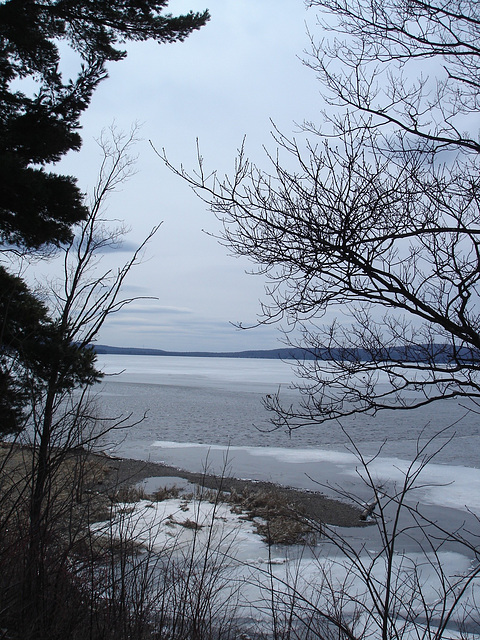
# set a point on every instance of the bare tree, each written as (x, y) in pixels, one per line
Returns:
(373, 217)
(80, 301)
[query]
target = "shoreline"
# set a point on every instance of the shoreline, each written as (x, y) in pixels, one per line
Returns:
(318, 508)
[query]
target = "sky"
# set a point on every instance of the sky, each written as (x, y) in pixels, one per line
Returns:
(228, 80)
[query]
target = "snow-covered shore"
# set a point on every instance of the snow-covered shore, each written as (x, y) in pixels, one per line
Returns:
(447, 496)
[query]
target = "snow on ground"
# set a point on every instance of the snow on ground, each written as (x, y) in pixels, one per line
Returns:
(270, 580)
(178, 524)
(273, 580)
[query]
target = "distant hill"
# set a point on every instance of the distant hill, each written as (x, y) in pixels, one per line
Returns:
(413, 353)
(273, 354)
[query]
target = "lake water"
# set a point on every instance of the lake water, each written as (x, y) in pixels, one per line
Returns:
(207, 414)
(218, 402)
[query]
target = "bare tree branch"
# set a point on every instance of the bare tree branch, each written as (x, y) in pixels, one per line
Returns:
(373, 217)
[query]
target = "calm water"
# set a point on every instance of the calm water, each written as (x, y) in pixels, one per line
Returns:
(218, 401)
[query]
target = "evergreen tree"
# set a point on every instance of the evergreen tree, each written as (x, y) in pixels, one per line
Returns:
(38, 126)
(36, 206)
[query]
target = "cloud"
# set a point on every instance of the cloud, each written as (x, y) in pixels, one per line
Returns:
(125, 246)
(139, 308)
(224, 82)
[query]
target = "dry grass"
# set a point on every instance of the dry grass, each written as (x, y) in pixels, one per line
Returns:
(84, 478)
(277, 521)
(165, 493)
(129, 494)
(75, 483)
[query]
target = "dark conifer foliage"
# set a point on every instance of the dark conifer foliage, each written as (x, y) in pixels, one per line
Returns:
(37, 206)
(40, 114)
(24, 318)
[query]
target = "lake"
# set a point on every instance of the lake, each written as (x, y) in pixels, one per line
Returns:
(218, 402)
(207, 414)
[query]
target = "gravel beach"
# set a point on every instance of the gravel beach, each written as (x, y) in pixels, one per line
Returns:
(313, 505)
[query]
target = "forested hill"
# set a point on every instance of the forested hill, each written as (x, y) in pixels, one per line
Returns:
(412, 353)
(275, 354)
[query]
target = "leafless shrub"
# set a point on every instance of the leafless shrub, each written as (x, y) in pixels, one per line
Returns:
(412, 576)
(164, 493)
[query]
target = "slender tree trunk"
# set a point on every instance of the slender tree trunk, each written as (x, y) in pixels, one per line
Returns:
(35, 577)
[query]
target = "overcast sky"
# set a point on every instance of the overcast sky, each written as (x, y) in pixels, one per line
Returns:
(224, 82)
